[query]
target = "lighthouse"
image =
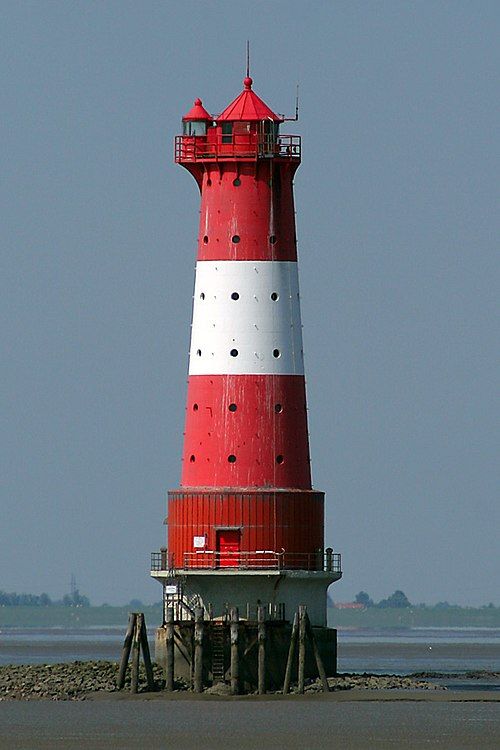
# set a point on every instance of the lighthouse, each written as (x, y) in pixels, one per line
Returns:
(245, 526)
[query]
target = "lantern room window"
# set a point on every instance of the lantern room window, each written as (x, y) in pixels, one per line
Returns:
(194, 127)
(271, 128)
(227, 132)
(269, 131)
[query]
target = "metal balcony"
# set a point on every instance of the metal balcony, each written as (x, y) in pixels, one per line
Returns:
(189, 149)
(255, 560)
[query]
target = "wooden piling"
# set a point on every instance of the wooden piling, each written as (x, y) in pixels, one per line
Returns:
(136, 646)
(291, 651)
(127, 645)
(198, 650)
(261, 636)
(146, 655)
(302, 648)
(169, 672)
(235, 667)
(317, 655)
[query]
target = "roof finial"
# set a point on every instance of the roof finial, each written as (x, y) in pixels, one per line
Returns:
(247, 81)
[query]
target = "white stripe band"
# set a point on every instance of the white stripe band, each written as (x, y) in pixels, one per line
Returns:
(246, 319)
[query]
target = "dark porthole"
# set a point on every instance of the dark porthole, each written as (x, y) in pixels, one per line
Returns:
(278, 408)
(237, 182)
(192, 459)
(195, 407)
(235, 238)
(232, 407)
(235, 295)
(272, 239)
(198, 352)
(279, 459)
(276, 353)
(274, 296)
(205, 239)
(202, 295)
(231, 458)
(234, 352)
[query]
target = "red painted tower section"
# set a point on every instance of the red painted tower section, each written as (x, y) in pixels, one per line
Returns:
(245, 501)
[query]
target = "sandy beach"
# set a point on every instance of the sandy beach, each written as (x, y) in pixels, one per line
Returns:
(357, 719)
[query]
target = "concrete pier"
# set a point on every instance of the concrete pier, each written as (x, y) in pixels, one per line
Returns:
(216, 651)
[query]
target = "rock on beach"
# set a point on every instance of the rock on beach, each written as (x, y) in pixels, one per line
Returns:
(69, 681)
(373, 682)
(76, 681)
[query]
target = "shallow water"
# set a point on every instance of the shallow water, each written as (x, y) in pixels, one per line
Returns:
(404, 658)
(396, 652)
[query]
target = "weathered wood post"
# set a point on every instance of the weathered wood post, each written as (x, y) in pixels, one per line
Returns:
(136, 647)
(146, 655)
(261, 637)
(302, 647)
(169, 671)
(317, 655)
(127, 645)
(235, 667)
(291, 651)
(198, 650)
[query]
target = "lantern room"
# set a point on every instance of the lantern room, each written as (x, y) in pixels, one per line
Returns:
(247, 128)
(196, 121)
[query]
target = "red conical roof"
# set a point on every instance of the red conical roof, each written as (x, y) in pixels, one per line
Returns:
(248, 107)
(198, 112)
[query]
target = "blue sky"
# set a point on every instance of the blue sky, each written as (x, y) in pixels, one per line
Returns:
(397, 212)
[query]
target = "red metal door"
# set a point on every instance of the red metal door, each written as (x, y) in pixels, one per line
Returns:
(228, 547)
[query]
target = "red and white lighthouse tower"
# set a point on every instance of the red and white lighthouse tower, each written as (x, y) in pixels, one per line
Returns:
(245, 525)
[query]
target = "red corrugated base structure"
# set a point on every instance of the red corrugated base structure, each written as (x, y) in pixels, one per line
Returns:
(277, 528)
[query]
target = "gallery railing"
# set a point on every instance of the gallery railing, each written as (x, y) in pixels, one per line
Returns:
(327, 560)
(190, 148)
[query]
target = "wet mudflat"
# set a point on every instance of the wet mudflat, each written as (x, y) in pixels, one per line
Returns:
(441, 719)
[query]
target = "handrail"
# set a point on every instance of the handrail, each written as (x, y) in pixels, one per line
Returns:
(162, 560)
(250, 560)
(245, 145)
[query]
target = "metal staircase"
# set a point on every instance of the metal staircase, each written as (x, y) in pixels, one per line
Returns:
(183, 605)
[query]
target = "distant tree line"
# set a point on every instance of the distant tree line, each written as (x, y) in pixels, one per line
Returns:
(75, 599)
(399, 600)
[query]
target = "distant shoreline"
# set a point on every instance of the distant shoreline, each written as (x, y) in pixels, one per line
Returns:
(415, 617)
(369, 618)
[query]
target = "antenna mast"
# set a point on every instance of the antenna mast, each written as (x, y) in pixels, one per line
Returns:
(294, 119)
(248, 58)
